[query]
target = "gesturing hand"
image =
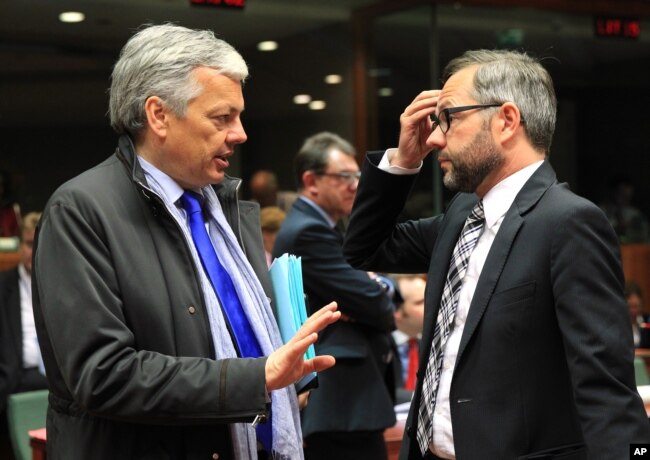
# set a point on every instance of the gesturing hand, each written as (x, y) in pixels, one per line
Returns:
(415, 129)
(287, 364)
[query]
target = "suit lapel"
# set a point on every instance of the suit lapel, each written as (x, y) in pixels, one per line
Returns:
(526, 199)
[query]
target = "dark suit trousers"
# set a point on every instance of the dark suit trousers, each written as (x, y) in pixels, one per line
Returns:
(346, 445)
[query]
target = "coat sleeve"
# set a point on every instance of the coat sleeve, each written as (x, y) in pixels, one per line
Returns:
(91, 353)
(593, 319)
(374, 241)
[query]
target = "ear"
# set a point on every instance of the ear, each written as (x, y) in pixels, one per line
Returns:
(509, 122)
(157, 115)
(309, 179)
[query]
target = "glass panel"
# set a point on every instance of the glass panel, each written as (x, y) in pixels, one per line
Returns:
(399, 67)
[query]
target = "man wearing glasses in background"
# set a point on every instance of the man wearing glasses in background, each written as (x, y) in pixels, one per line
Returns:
(526, 349)
(347, 414)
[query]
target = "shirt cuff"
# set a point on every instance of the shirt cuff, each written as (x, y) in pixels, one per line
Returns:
(385, 165)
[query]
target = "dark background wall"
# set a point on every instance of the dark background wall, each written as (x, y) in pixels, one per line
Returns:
(613, 132)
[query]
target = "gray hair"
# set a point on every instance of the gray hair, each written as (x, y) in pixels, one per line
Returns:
(511, 76)
(158, 61)
(314, 154)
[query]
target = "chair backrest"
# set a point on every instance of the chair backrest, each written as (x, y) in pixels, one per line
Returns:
(641, 372)
(25, 411)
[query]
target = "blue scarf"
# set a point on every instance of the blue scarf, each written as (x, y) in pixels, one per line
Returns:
(287, 434)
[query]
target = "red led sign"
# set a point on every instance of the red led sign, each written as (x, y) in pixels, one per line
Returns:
(239, 4)
(618, 27)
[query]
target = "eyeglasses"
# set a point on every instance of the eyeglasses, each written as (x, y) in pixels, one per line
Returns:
(345, 176)
(444, 117)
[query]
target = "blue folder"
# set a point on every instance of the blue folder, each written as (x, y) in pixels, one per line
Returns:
(286, 276)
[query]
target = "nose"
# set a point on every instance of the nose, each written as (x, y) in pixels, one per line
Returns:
(437, 139)
(236, 134)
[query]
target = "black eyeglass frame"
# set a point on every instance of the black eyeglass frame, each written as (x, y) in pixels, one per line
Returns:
(347, 176)
(451, 110)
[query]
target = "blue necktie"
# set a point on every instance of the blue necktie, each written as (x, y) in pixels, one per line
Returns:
(222, 283)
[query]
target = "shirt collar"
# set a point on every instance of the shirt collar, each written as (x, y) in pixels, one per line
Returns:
(319, 210)
(167, 186)
(498, 200)
(400, 337)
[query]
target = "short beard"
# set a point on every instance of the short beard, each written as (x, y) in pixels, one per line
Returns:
(472, 164)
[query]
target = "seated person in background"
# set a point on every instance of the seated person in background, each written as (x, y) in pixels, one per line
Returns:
(9, 209)
(20, 356)
(20, 352)
(264, 190)
(634, 298)
(271, 217)
(409, 318)
(630, 224)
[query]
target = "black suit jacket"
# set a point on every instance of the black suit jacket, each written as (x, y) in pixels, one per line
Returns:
(545, 361)
(11, 340)
(353, 395)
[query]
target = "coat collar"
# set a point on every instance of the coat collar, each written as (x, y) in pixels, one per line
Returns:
(227, 189)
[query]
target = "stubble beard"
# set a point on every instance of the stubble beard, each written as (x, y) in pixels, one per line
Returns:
(472, 164)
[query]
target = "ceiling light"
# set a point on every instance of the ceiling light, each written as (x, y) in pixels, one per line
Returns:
(385, 92)
(333, 79)
(71, 16)
(268, 45)
(317, 105)
(301, 99)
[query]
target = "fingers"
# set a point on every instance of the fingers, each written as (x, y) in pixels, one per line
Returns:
(286, 364)
(423, 105)
(316, 322)
(319, 363)
(303, 400)
(416, 127)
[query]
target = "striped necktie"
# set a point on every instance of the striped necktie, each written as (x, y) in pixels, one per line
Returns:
(457, 269)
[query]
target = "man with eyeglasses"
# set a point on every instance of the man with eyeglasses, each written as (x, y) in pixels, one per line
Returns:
(348, 412)
(526, 349)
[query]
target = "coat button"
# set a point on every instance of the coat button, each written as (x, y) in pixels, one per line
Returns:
(192, 310)
(215, 456)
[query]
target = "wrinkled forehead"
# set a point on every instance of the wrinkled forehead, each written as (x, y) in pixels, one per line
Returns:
(458, 89)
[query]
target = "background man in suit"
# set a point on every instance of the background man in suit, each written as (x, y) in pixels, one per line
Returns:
(20, 356)
(527, 349)
(409, 318)
(20, 352)
(634, 299)
(151, 290)
(348, 412)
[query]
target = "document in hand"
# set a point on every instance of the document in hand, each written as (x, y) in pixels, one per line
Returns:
(286, 276)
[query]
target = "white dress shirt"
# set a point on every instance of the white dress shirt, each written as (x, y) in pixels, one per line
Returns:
(31, 352)
(495, 203)
(170, 193)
